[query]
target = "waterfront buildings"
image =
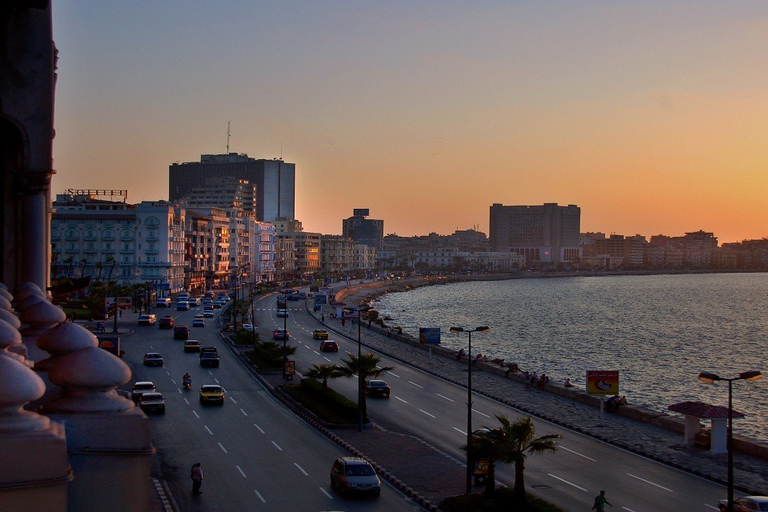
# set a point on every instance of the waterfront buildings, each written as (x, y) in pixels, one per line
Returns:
(546, 234)
(274, 180)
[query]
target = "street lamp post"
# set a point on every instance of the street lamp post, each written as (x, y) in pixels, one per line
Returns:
(710, 378)
(285, 335)
(469, 332)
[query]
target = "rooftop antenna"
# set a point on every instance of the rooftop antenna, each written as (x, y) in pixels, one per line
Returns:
(228, 136)
(281, 150)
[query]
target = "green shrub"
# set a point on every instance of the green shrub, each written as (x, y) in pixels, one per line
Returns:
(327, 405)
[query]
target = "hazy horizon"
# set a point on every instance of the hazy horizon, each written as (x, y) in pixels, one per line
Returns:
(648, 116)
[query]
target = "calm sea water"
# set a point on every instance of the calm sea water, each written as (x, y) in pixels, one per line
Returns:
(658, 331)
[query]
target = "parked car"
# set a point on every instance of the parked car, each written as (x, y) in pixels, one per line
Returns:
(141, 387)
(329, 346)
(377, 388)
(191, 346)
(198, 322)
(209, 356)
(166, 322)
(211, 393)
(180, 332)
(355, 475)
(248, 327)
(152, 402)
(745, 504)
(320, 334)
(153, 359)
(208, 313)
(280, 335)
(147, 319)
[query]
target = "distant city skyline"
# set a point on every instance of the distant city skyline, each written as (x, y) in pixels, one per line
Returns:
(649, 117)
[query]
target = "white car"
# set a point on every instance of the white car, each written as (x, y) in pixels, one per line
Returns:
(248, 327)
(746, 504)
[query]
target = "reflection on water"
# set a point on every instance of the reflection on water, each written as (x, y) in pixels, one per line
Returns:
(659, 331)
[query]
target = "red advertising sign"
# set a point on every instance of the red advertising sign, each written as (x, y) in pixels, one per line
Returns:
(601, 382)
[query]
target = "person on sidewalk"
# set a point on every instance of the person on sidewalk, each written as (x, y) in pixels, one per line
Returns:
(197, 478)
(600, 502)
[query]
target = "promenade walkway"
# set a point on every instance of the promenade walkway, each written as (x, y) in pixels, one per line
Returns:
(657, 443)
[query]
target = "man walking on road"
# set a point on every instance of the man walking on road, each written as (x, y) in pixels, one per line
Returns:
(600, 502)
(197, 478)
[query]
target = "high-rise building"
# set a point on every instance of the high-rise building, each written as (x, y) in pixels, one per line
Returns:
(275, 181)
(547, 234)
(363, 230)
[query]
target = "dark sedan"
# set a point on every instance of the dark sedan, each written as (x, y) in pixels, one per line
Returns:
(377, 388)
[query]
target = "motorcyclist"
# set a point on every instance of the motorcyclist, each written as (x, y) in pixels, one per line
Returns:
(187, 380)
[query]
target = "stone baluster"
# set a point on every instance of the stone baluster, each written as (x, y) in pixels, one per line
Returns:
(107, 435)
(35, 472)
(37, 316)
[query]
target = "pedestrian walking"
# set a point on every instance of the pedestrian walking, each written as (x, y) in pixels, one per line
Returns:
(600, 502)
(197, 478)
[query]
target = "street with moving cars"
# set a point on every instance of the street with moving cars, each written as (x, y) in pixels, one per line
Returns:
(250, 447)
(435, 409)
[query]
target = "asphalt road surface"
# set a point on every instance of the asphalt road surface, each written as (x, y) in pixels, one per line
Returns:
(256, 455)
(436, 411)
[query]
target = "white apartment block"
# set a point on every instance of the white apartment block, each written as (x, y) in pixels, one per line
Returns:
(113, 240)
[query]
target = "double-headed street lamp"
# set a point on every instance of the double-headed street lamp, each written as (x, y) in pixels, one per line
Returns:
(710, 378)
(482, 328)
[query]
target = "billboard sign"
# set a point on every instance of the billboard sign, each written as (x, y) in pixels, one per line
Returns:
(602, 382)
(429, 335)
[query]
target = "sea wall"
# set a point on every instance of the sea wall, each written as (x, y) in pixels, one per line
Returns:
(366, 292)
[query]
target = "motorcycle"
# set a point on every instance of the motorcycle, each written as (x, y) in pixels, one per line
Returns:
(187, 383)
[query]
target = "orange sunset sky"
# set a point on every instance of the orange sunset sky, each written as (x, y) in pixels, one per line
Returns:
(650, 116)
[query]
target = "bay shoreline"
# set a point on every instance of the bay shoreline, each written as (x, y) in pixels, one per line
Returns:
(365, 293)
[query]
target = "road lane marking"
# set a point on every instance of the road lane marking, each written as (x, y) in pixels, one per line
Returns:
(260, 496)
(241, 471)
(209, 430)
(445, 397)
(480, 413)
(325, 492)
(576, 453)
(425, 412)
(186, 401)
(398, 398)
(460, 431)
(300, 468)
(394, 374)
(567, 482)
(417, 385)
(632, 510)
(195, 413)
(649, 482)
(326, 358)
(216, 380)
(244, 413)
(222, 448)
(258, 427)
(277, 446)
(233, 400)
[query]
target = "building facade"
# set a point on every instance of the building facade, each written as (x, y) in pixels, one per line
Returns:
(113, 240)
(275, 181)
(545, 235)
(363, 230)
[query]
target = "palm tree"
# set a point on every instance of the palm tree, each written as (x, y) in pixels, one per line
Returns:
(518, 442)
(325, 372)
(112, 262)
(364, 367)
